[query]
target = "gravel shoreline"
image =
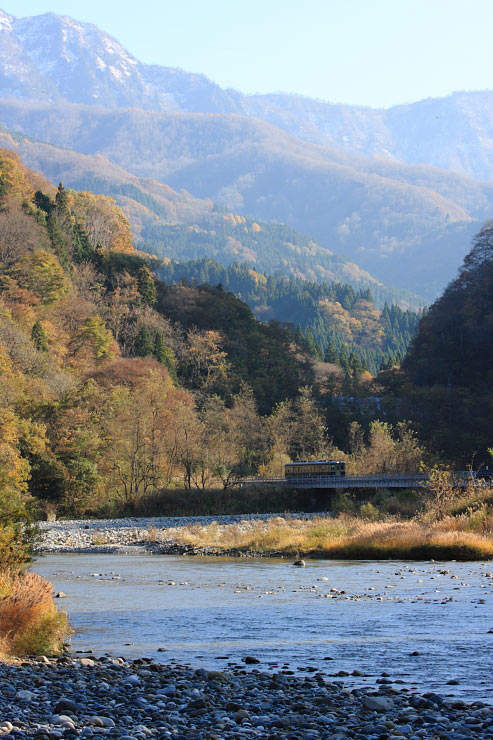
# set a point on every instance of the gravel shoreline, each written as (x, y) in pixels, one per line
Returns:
(71, 697)
(134, 534)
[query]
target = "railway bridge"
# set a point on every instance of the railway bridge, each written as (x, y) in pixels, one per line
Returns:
(388, 480)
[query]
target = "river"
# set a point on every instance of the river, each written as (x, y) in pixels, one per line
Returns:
(418, 625)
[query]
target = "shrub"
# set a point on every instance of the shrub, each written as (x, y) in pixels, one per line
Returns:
(368, 511)
(19, 537)
(29, 621)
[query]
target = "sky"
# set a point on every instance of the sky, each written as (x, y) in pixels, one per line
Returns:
(374, 53)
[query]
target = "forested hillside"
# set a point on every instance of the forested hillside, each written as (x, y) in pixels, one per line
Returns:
(113, 384)
(451, 359)
(335, 319)
(406, 225)
(175, 225)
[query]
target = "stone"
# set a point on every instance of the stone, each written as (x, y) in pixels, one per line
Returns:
(242, 714)
(378, 703)
(65, 705)
(107, 722)
(217, 676)
(25, 695)
(250, 660)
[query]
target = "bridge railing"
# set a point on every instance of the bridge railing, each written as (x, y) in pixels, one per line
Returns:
(388, 480)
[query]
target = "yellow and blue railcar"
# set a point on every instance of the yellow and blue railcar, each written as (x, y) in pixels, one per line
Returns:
(315, 468)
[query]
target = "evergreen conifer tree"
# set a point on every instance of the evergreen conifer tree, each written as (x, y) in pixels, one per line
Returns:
(343, 359)
(81, 246)
(57, 239)
(43, 202)
(355, 364)
(39, 338)
(165, 354)
(312, 347)
(147, 286)
(61, 203)
(331, 353)
(144, 345)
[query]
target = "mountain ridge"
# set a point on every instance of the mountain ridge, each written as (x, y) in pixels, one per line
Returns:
(454, 132)
(175, 225)
(70, 84)
(388, 217)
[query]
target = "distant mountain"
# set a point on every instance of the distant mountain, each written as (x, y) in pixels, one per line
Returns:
(51, 58)
(174, 225)
(407, 225)
(266, 157)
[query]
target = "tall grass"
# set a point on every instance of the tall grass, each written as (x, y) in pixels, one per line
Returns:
(30, 624)
(468, 537)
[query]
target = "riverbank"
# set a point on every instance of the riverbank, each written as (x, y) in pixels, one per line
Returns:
(133, 534)
(276, 535)
(90, 698)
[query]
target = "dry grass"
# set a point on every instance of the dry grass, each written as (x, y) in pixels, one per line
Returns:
(98, 539)
(152, 533)
(29, 621)
(466, 537)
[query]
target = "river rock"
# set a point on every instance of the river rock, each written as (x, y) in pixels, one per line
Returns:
(25, 695)
(378, 703)
(176, 702)
(242, 714)
(65, 705)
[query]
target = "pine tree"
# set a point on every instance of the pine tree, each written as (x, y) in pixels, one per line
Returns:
(61, 203)
(165, 355)
(39, 338)
(147, 286)
(144, 345)
(299, 338)
(81, 246)
(343, 359)
(355, 364)
(43, 202)
(58, 242)
(312, 347)
(331, 353)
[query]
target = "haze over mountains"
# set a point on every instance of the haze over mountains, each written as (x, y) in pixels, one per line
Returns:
(357, 180)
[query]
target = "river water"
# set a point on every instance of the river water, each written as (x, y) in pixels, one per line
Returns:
(330, 616)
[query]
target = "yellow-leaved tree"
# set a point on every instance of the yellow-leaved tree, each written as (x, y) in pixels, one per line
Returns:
(103, 221)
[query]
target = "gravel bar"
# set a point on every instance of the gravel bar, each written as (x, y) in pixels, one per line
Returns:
(96, 698)
(137, 534)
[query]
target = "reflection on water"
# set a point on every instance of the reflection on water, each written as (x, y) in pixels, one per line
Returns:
(332, 616)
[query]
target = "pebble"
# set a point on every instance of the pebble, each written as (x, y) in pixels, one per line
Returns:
(137, 700)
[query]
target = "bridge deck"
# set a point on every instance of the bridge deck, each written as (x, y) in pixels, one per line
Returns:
(415, 480)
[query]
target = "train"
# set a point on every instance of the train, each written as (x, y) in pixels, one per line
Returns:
(315, 469)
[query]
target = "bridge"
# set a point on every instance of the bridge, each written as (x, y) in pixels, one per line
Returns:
(388, 480)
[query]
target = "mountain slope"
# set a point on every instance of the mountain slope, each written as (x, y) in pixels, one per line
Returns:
(406, 225)
(174, 225)
(450, 362)
(50, 58)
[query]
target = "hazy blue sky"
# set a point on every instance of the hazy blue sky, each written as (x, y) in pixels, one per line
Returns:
(367, 52)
